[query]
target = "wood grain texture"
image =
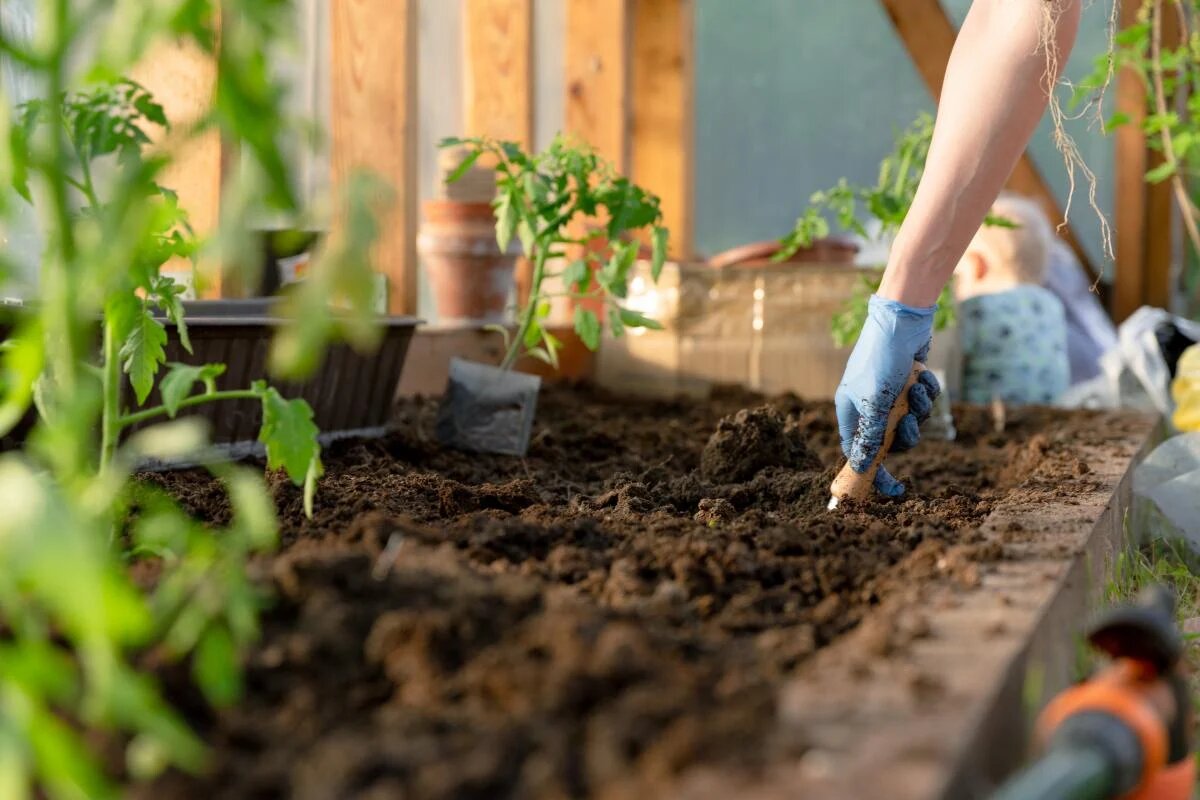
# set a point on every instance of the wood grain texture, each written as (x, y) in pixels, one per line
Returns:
(1160, 208)
(1131, 163)
(374, 101)
(598, 76)
(183, 79)
(928, 34)
(663, 112)
(498, 80)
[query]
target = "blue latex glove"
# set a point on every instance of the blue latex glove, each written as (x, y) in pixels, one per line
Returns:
(893, 337)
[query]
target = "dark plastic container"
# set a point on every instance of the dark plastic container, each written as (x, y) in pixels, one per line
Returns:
(351, 393)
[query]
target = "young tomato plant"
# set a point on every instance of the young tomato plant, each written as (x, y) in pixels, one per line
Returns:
(75, 629)
(545, 200)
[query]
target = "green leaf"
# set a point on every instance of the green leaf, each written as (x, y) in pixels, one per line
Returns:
(615, 325)
(588, 327)
(634, 319)
(168, 295)
(506, 220)
(15, 772)
(576, 276)
(1133, 35)
(1162, 172)
(533, 334)
(541, 355)
(463, 168)
(215, 667)
(289, 433)
(64, 762)
(253, 510)
(503, 331)
(177, 384)
(1115, 121)
(997, 221)
(21, 365)
(143, 352)
(659, 241)
(526, 235)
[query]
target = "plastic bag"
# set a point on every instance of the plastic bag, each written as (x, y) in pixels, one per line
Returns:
(1166, 488)
(1135, 373)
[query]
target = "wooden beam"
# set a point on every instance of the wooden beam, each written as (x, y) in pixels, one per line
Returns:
(498, 88)
(662, 147)
(498, 83)
(1131, 163)
(598, 76)
(374, 102)
(928, 34)
(183, 79)
(1161, 211)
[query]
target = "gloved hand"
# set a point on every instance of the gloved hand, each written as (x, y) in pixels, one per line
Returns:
(893, 337)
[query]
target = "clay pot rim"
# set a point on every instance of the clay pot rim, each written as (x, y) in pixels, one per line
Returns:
(763, 251)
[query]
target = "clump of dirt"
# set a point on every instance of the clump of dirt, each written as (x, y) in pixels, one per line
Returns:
(595, 620)
(752, 440)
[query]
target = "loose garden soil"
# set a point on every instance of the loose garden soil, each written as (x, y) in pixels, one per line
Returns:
(605, 618)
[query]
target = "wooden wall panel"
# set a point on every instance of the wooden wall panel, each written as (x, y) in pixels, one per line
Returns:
(663, 110)
(598, 76)
(374, 99)
(498, 80)
(183, 80)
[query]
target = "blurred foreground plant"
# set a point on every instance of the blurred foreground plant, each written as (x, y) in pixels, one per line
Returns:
(73, 625)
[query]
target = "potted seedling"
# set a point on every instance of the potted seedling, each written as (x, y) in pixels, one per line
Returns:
(545, 201)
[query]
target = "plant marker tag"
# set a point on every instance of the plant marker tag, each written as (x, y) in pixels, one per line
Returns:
(487, 409)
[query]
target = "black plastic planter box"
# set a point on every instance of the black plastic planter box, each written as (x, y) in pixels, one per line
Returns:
(351, 393)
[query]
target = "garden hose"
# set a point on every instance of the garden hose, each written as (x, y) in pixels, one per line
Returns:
(1062, 774)
(1126, 731)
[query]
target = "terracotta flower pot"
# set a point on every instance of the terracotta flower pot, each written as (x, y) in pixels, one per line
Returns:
(759, 254)
(472, 278)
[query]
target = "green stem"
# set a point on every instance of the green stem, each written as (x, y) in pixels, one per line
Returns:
(62, 325)
(195, 400)
(110, 424)
(535, 296)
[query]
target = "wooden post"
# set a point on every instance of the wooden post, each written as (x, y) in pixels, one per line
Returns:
(183, 79)
(598, 76)
(1145, 212)
(498, 81)
(929, 34)
(374, 101)
(1131, 164)
(1161, 211)
(662, 148)
(498, 88)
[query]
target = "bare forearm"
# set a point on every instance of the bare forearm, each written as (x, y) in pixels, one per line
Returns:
(994, 94)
